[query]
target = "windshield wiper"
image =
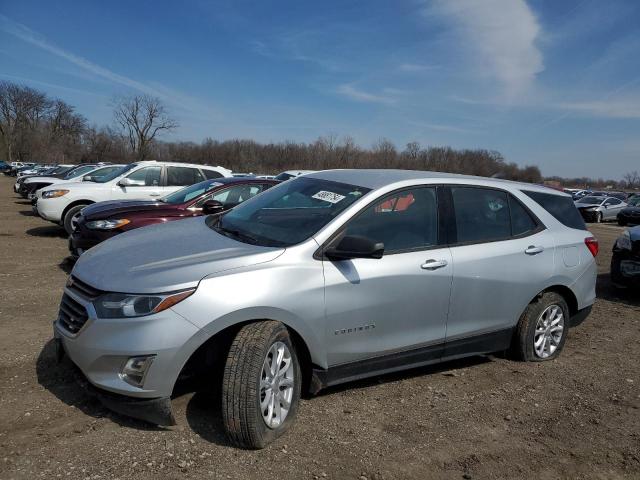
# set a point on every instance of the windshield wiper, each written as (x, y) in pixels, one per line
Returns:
(228, 232)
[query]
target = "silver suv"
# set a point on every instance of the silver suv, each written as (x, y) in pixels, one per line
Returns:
(324, 279)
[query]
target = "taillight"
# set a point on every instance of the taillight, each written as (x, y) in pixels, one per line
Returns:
(592, 245)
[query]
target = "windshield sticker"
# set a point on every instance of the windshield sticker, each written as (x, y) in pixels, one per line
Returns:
(328, 196)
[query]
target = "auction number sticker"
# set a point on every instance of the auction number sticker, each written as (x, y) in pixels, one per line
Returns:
(328, 196)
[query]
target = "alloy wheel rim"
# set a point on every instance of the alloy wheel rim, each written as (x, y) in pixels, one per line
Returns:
(74, 221)
(549, 331)
(276, 385)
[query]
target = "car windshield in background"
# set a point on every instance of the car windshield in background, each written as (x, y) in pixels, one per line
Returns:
(99, 175)
(79, 171)
(185, 194)
(591, 199)
(114, 174)
(288, 213)
(634, 202)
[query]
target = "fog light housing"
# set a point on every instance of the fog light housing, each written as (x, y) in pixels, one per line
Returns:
(135, 370)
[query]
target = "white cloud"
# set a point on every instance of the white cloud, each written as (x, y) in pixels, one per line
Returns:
(348, 90)
(501, 36)
(623, 108)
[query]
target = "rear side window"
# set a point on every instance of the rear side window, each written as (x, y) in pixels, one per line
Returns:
(482, 214)
(562, 208)
(211, 174)
(183, 176)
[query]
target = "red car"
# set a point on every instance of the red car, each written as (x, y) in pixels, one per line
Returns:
(103, 220)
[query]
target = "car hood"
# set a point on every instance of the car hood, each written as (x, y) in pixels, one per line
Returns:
(165, 258)
(38, 179)
(108, 209)
(587, 205)
(631, 210)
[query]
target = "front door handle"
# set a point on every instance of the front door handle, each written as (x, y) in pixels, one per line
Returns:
(433, 264)
(533, 250)
(154, 194)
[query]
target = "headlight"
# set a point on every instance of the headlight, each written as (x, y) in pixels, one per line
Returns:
(121, 305)
(624, 241)
(107, 224)
(54, 193)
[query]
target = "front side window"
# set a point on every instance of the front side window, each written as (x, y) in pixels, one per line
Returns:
(192, 191)
(182, 176)
(482, 214)
(612, 201)
(288, 213)
(146, 177)
(406, 220)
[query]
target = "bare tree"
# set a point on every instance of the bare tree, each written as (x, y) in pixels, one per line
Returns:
(142, 118)
(21, 109)
(632, 179)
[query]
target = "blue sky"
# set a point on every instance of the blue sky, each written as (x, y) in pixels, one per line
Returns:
(545, 82)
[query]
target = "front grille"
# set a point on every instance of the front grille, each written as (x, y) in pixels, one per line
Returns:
(72, 315)
(83, 289)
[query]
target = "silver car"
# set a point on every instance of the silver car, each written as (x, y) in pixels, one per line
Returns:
(598, 209)
(327, 278)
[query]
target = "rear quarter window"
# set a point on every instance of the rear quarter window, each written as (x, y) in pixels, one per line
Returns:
(561, 207)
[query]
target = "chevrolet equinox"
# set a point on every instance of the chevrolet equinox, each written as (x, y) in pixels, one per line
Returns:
(327, 278)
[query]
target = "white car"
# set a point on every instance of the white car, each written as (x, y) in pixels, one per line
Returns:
(292, 174)
(146, 180)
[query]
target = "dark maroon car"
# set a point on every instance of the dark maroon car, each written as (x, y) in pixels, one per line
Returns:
(103, 220)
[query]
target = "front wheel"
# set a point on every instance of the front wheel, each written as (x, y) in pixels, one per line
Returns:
(261, 385)
(542, 329)
(71, 218)
(599, 217)
(622, 223)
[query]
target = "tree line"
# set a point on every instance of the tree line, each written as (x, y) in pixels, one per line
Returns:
(35, 127)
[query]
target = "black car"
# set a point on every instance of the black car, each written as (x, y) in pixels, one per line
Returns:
(625, 262)
(631, 214)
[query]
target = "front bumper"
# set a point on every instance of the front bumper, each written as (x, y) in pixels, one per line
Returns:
(51, 208)
(102, 346)
(625, 269)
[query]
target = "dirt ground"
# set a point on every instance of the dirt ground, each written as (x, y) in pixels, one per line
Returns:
(489, 417)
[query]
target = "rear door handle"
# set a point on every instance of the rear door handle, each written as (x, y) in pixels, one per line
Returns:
(533, 250)
(433, 264)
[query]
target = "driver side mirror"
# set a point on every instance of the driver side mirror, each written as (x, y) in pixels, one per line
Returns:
(211, 207)
(355, 246)
(87, 178)
(125, 182)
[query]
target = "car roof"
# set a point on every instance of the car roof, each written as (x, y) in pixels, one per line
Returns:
(232, 180)
(378, 178)
(179, 164)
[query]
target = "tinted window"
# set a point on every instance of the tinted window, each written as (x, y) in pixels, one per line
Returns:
(116, 173)
(79, 171)
(481, 214)
(181, 176)
(402, 221)
(613, 201)
(521, 220)
(210, 174)
(192, 191)
(283, 176)
(590, 199)
(146, 176)
(561, 207)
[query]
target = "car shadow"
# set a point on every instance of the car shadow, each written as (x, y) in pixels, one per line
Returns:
(204, 416)
(67, 264)
(27, 213)
(22, 202)
(65, 381)
(52, 231)
(607, 291)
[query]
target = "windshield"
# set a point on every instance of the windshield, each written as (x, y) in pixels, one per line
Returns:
(115, 174)
(634, 202)
(187, 193)
(288, 213)
(591, 199)
(76, 172)
(99, 174)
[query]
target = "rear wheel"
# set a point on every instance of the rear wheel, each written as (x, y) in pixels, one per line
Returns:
(542, 329)
(261, 385)
(71, 218)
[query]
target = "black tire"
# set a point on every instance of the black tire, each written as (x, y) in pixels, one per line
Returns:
(66, 221)
(598, 217)
(617, 280)
(241, 397)
(622, 223)
(523, 342)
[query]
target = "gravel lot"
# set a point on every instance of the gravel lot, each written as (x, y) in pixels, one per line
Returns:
(489, 417)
